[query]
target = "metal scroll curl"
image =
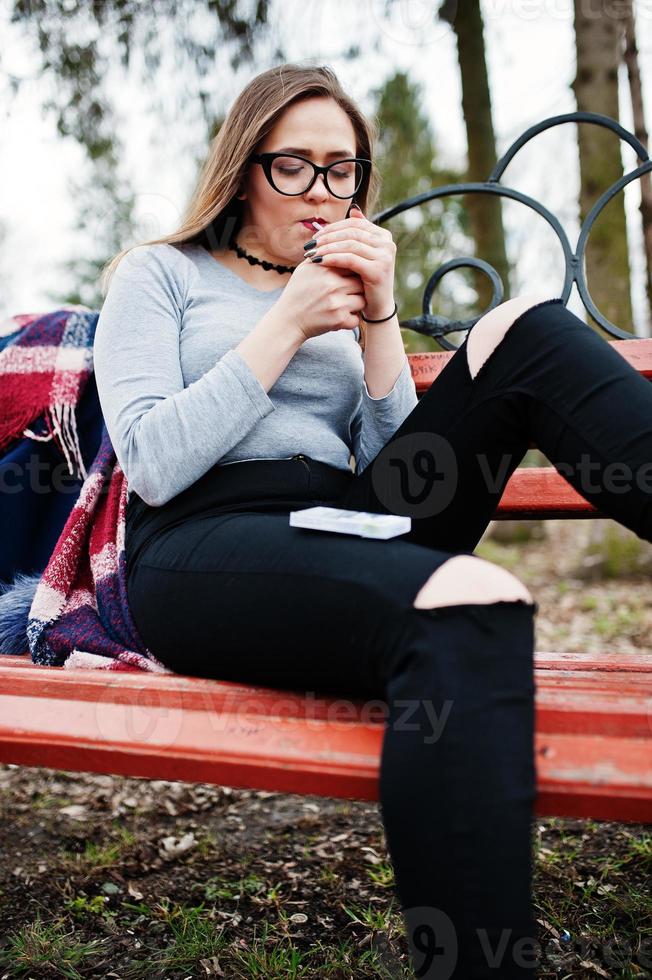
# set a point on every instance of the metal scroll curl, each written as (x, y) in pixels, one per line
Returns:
(433, 325)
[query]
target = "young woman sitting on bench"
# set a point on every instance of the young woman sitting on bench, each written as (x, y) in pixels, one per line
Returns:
(229, 364)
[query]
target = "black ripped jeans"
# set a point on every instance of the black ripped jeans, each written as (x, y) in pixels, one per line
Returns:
(221, 586)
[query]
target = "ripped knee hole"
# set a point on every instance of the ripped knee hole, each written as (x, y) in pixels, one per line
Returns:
(468, 579)
(491, 328)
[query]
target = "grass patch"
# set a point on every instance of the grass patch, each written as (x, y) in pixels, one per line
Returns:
(44, 947)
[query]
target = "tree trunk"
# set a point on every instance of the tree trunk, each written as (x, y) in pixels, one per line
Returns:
(484, 211)
(640, 131)
(598, 38)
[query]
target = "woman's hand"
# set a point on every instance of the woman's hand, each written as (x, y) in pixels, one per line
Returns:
(360, 246)
(316, 301)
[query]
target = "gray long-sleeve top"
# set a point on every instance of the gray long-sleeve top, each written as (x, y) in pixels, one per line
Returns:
(177, 398)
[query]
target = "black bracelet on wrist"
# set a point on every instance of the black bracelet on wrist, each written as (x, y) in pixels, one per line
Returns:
(382, 319)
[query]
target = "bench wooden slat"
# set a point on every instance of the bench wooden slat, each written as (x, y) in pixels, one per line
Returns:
(426, 366)
(238, 748)
(602, 662)
(593, 741)
(565, 710)
(630, 674)
(542, 492)
(544, 660)
(601, 777)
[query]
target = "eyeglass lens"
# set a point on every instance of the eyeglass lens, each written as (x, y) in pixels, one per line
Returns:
(292, 176)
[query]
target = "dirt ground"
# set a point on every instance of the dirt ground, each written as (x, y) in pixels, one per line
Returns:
(110, 877)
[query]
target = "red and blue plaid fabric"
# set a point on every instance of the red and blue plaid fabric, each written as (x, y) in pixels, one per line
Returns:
(80, 616)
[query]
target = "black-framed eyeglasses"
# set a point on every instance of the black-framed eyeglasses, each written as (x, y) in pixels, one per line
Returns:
(292, 175)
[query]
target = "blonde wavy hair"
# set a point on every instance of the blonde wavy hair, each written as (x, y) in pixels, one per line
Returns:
(214, 213)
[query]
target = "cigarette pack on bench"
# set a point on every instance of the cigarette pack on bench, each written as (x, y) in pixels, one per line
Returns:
(359, 522)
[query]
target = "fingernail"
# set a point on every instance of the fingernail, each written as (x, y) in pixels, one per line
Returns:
(313, 251)
(313, 241)
(316, 258)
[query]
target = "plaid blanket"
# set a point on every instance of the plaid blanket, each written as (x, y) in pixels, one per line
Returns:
(45, 362)
(79, 615)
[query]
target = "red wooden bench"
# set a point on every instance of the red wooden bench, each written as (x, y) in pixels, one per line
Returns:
(593, 712)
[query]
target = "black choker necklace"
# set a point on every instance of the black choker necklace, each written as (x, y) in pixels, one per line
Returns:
(252, 260)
